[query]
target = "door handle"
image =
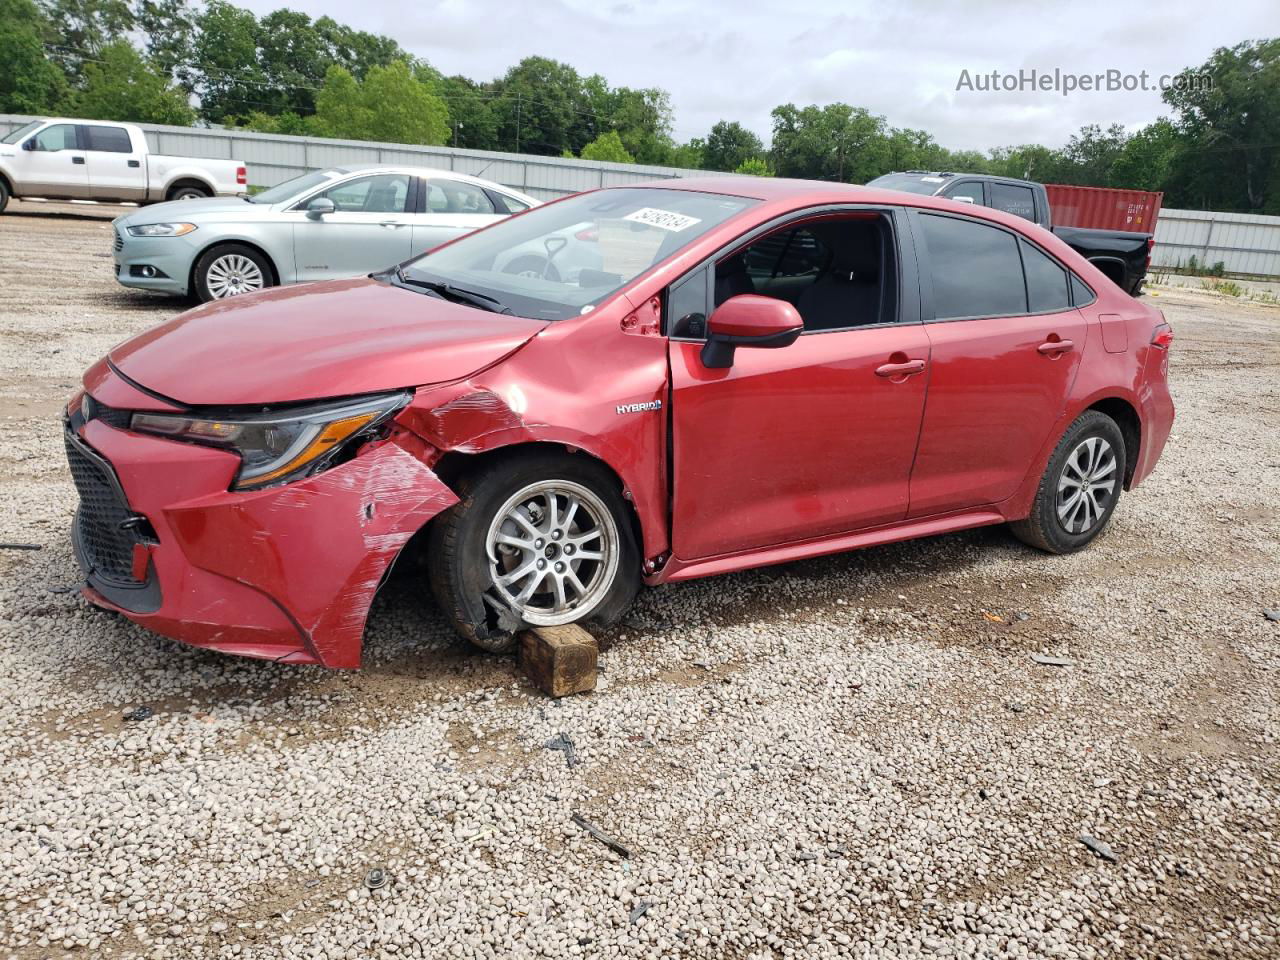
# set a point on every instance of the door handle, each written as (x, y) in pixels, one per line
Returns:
(135, 163)
(1056, 346)
(392, 224)
(906, 369)
(77, 159)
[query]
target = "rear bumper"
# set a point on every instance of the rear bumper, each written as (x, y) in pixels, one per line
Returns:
(287, 573)
(1156, 412)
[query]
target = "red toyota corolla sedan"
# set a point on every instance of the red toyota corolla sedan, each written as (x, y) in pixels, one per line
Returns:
(627, 386)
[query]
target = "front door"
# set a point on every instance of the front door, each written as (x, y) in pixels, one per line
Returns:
(808, 440)
(1005, 346)
(56, 167)
(368, 230)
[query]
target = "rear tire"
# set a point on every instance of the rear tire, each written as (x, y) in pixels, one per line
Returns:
(188, 191)
(230, 269)
(474, 544)
(1080, 487)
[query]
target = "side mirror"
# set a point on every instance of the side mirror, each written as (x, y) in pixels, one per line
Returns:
(29, 144)
(749, 320)
(962, 199)
(318, 207)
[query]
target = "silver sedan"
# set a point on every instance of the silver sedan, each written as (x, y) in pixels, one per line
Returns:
(341, 222)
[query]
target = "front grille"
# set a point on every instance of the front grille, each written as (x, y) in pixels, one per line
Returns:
(118, 245)
(108, 547)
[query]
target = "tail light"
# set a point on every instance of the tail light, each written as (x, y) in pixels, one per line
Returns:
(242, 175)
(589, 235)
(1162, 338)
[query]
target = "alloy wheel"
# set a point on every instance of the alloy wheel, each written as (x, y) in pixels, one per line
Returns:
(1087, 485)
(552, 552)
(233, 274)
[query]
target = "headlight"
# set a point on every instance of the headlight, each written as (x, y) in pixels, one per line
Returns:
(279, 446)
(161, 229)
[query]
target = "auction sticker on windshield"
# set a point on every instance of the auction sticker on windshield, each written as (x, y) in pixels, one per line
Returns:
(663, 219)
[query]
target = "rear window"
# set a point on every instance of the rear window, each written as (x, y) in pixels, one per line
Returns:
(976, 269)
(109, 140)
(909, 182)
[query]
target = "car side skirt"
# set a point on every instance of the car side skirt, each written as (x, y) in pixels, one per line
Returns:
(677, 569)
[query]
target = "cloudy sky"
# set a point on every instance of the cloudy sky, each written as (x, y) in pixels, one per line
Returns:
(736, 59)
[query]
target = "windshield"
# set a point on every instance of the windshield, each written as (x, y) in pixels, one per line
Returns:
(558, 261)
(291, 188)
(909, 183)
(21, 132)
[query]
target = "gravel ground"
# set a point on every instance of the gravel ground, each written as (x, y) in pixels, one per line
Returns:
(850, 756)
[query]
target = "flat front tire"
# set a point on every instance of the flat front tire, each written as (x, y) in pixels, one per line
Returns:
(1080, 487)
(540, 539)
(230, 270)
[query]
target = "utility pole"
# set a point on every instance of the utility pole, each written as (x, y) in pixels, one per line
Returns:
(456, 127)
(517, 123)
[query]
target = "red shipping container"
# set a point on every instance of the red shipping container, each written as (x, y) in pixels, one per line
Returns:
(1104, 208)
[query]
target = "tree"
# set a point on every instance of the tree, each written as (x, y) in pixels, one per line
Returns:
(84, 28)
(1149, 157)
(835, 142)
(1229, 110)
(728, 145)
(225, 62)
(755, 166)
(121, 86)
(29, 83)
(1092, 153)
(688, 156)
(168, 27)
(390, 105)
(538, 106)
(607, 147)
(475, 126)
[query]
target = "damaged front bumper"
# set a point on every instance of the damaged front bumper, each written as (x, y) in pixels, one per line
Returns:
(286, 573)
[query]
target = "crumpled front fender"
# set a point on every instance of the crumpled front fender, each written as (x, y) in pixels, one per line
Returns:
(319, 548)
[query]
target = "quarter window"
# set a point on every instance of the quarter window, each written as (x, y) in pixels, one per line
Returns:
(109, 139)
(454, 196)
(384, 193)
(976, 269)
(1047, 289)
(61, 136)
(1080, 294)
(511, 203)
(1011, 198)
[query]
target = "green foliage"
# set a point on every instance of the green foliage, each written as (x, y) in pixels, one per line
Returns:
(29, 83)
(728, 145)
(607, 147)
(168, 31)
(84, 29)
(835, 142)
(755, 166)
(390, 105)
(120, 85)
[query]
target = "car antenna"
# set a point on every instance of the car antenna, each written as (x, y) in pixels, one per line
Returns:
(485, 167)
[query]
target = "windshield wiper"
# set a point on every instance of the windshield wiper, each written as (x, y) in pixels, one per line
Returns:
(448, 290)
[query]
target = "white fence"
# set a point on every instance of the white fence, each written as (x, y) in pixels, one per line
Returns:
(273, 158)
(1247, 245)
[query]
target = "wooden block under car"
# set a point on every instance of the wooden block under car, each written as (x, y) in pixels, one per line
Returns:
(559, 660)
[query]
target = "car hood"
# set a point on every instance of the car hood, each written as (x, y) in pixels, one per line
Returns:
(317, 340)
(186, 210)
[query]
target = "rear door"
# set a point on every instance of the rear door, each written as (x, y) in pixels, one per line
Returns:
(55, 167)
(1005, 349)
(450, 208)
(116, 165)
(369, 229)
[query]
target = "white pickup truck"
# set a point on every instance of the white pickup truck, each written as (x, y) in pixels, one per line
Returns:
(93, 160)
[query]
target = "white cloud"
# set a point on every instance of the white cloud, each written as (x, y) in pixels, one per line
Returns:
(736, 60)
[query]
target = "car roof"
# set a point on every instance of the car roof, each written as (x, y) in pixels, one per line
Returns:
(426, 172)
